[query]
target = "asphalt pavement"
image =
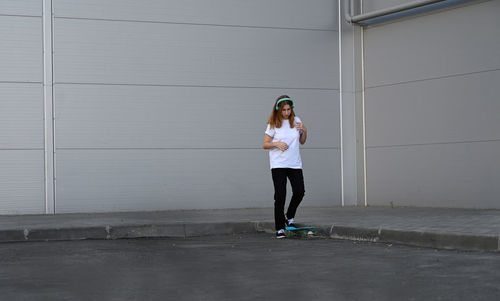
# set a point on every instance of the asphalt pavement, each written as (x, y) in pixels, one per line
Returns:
(253, 266)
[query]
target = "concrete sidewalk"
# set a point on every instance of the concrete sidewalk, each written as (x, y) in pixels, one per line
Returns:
(463, 229)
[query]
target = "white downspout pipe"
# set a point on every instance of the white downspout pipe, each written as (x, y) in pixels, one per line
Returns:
(390, 10)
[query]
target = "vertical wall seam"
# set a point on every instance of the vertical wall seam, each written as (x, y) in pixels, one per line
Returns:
(341, 90)
(48, 94)
(53, 104)
(363, 112)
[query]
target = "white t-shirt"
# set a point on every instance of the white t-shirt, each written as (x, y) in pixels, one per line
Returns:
(291, 157)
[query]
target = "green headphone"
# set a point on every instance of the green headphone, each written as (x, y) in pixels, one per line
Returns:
(283, 99)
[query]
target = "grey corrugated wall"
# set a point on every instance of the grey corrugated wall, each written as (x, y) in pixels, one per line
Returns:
(163, 104)
(432, 108)
(21, 108)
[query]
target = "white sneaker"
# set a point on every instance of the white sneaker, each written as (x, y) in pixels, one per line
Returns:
(280, 234)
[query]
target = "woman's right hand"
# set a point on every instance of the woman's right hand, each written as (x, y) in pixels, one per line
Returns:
(281, 145)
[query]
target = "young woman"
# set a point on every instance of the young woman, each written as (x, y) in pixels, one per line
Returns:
(283, 134)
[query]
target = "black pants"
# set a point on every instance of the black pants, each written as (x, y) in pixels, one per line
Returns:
(279, 179)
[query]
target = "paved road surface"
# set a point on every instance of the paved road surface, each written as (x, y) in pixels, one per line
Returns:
(244, 267)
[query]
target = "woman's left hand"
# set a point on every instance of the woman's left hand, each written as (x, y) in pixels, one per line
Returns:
(301, 127)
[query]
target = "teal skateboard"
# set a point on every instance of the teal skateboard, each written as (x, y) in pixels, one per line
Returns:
(299, 228)
(301, 232)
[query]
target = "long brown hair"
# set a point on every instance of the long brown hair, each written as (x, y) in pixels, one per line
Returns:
(276, 119)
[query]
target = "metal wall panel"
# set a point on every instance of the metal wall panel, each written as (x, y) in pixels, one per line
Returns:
(446, 110)
(452, 42)
(128, 180)
(107, 116)
(312, 14)
(431, 109)
(113, 52)
(22, 182)
(164, 105)
(321, 177)
(436, 175)
(21, 116)
(22, 188)
(21, 8)
(21, 49)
